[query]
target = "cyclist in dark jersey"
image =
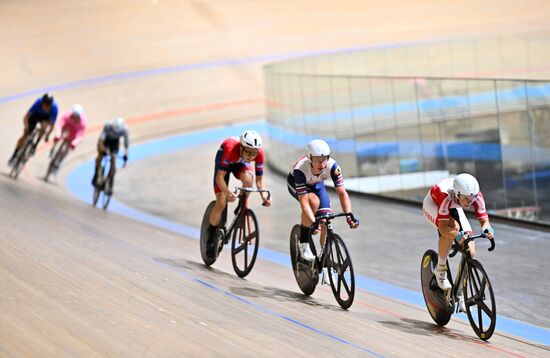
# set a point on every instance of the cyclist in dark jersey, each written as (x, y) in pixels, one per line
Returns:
(109, 141)
(44, 111)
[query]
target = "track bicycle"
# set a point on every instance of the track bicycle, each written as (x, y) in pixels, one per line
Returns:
(333, 255)
(474, 282)
(25, 152)
(244, 232)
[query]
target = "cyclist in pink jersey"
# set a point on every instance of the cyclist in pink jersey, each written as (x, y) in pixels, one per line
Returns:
(234, 156)
(73, 126)
(443, 207)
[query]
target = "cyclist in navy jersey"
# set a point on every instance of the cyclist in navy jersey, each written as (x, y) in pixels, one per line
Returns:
(44, 111)
(305, 184)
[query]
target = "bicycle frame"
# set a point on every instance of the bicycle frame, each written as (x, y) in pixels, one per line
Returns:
(326, 221)
(465, 260)
(241, 205)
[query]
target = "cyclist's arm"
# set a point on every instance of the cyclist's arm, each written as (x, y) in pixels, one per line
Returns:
(344, 199)
(26, 121)
(260, 184)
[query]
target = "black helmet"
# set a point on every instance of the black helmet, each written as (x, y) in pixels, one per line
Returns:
(47, 99)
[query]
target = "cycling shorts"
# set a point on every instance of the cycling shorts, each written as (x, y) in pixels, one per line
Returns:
(318, 189)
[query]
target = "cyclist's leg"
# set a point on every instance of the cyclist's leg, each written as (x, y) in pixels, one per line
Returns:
(100, 153)
(27, 129)
(313, 201)
(221, 202)
(324, 207)
(113, 146)
(246, 175)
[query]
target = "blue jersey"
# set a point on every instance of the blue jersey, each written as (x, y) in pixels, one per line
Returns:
(38, 112)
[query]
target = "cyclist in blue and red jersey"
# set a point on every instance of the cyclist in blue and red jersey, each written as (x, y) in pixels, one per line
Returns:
(44, 111)
(305, 184)
(234, 157)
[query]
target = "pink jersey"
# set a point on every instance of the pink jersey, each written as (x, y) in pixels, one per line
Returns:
(443, 195)
(75, 132)
(231, 155)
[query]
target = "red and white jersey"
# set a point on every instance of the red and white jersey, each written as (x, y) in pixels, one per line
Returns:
(231, 154)
(443, 195)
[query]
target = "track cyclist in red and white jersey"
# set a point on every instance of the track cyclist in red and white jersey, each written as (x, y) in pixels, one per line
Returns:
(443, 207)
(234, 157)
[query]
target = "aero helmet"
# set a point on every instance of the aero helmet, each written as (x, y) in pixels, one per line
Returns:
(465, 184)
(317, 148)
(77, 110)
(251, 139)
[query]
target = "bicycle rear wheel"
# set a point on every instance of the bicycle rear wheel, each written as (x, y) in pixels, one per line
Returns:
(434, 297)
(480, 301)
(208, 253)
(21, 158)
(107, 189)
(245, 243)
(54, 163)
(305, 272)
(97, 188)
(341, 276)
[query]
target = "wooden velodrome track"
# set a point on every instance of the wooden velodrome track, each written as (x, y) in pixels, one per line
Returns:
(75, 281)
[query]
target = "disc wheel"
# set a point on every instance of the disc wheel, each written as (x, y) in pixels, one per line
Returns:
(480, 301)
(305, 272)
(245, 243)
(341, 276)
(435, 299)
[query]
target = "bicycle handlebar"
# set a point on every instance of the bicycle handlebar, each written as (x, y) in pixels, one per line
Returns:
(253, 190)
(330, 216)
(456, 246)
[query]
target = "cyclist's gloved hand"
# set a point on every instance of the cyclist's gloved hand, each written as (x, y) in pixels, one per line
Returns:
(459, 236)
(489, 230)
(352, 222)
(125, 158)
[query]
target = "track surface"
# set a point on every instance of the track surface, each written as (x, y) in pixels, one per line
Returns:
(79, 281)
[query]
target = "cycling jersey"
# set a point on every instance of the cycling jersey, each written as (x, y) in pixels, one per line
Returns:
(111, 137)
(301, 181)
(304, 178)
(442, 194)
(230, 153)
(75, 132)
(37, 113)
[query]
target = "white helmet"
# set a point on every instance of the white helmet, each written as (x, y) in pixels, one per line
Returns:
(118, 124)
(251, 139)
(77, 110)
(465, 184)
(317, 148)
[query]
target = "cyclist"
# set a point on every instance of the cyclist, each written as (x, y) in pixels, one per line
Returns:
(305, 183)
(443, 207)
(234, 156)
(108, 143)
(43, 111)
(73, 123)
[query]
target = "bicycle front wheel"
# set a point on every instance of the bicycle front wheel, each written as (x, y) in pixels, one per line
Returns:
(245, 243)
(340, 270)
(480, 301)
